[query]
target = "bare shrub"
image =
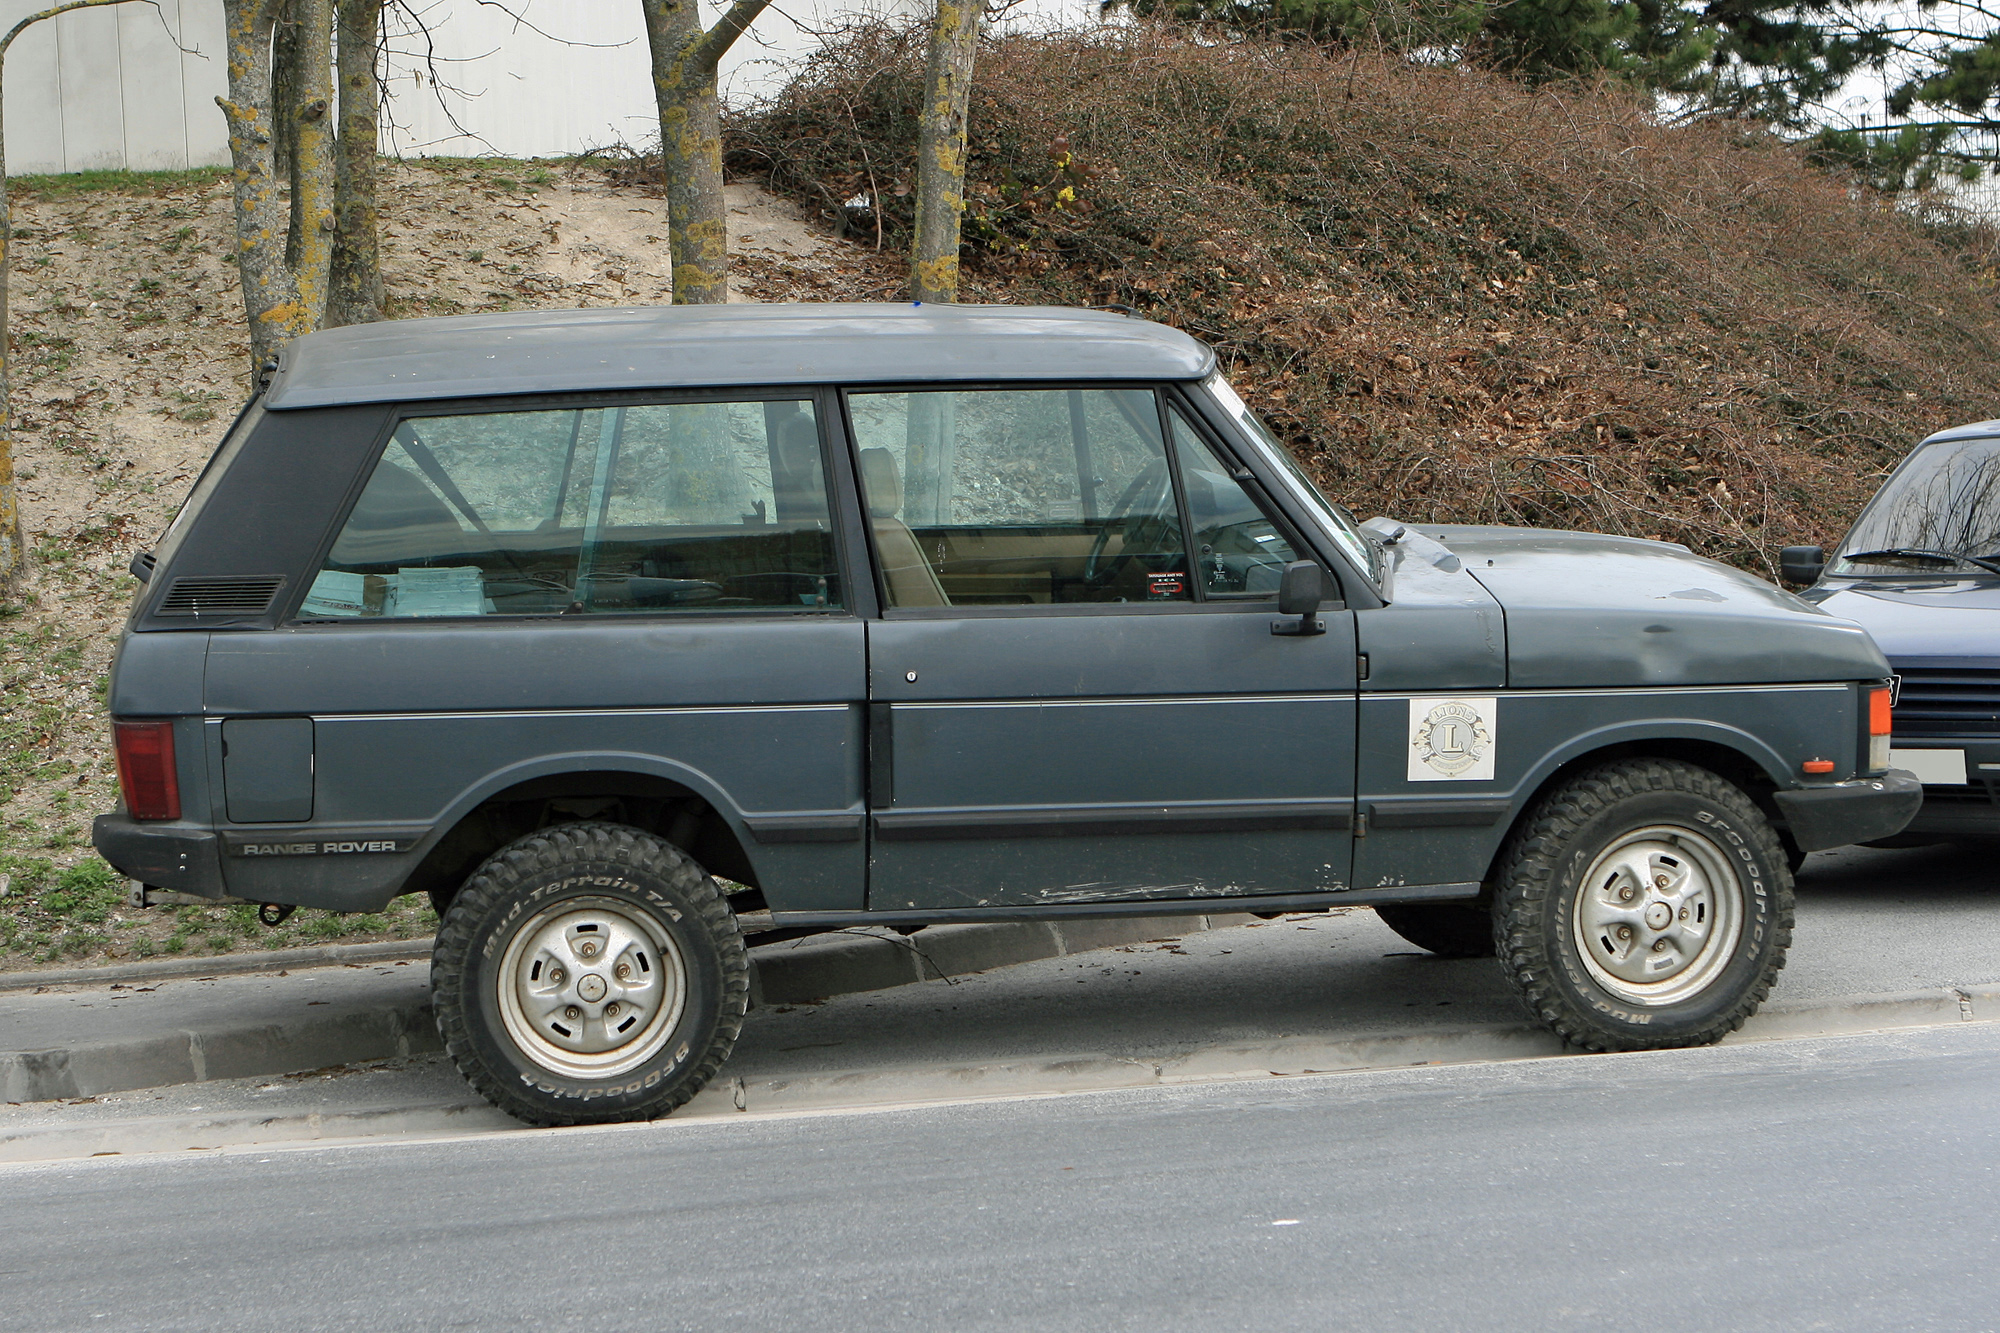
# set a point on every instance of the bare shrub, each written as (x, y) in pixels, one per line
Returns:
(1460, 298)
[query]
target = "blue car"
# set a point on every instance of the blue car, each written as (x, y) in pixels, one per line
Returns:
(1920, 569)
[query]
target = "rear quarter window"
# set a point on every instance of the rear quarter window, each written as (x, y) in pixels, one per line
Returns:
(670, 507)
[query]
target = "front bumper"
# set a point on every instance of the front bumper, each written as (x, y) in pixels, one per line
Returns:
(1861, 810)
(165, 856)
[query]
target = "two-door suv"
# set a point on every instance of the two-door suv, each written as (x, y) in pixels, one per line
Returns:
(620, 631)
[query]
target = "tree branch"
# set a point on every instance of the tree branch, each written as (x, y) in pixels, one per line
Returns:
(707, 51)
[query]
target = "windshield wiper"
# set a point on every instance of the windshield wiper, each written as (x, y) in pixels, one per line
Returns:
(1990, 563)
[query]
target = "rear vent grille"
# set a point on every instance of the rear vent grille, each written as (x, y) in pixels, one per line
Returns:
(1941, 701)
(219, 597)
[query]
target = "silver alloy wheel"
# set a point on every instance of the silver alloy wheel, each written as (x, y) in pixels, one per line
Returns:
(1658, 914)
(591, 988)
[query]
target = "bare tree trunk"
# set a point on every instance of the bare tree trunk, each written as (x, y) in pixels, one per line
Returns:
(13, 552)
(309, 237)
(13, 559)
(285, 91)
(684, 63)
(354, 284)
(270, 293)
(941, 151)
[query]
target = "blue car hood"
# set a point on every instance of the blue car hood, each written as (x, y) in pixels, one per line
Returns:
(1918, 618)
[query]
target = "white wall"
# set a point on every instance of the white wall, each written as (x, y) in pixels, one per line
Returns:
(112, 88)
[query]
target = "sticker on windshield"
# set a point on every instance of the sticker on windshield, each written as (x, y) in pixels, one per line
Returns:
(1452, 740)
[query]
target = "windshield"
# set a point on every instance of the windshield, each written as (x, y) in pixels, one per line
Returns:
(1939, 513)
(1336, 520)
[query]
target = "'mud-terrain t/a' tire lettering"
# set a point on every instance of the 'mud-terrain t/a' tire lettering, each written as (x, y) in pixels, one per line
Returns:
(1645, 904)
(589, 973)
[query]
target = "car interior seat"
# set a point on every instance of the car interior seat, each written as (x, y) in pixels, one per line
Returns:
(801, 490)
(910, 578)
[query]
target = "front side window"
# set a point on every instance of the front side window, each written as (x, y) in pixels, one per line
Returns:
(1239, 553)
(1337, 521)
(659, 507)
(996, 497)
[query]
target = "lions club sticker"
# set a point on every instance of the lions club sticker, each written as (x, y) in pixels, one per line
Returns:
(1451, 740)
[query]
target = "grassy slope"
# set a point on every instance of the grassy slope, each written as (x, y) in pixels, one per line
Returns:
(1461, 299)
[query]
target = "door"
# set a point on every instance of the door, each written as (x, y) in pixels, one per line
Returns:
(1075, 692)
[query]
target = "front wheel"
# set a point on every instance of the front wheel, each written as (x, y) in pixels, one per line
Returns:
(589, 973)
(1646, 904)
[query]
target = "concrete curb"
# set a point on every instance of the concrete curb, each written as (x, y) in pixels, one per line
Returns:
(165, 1059)
(219, 965)
(786, 972)
(729, 1098)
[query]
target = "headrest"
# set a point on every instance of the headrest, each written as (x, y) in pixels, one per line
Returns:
(798, 455)
(882, 482)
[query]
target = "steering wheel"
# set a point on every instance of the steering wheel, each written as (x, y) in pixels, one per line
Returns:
(1151, 484)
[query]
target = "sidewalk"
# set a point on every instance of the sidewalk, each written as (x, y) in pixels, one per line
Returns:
(1883, 940)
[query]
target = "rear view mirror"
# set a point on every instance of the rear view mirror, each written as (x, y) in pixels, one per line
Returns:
(1301, 589)
(1801, 564)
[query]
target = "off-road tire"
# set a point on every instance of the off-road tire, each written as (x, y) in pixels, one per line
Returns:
(1540, 894)
(622, 870)
(1449, 930)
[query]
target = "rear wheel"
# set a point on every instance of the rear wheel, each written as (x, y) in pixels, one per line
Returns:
(1449, 930)
(1646, 904)
(588, 973)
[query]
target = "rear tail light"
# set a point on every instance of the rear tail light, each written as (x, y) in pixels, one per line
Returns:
(146, 769)
(1879, 714)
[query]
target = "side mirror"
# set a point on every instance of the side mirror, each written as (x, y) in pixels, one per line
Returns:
(1802, 564)
(1301, 589)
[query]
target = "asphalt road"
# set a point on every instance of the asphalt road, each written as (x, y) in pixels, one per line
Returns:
(1844, 1183)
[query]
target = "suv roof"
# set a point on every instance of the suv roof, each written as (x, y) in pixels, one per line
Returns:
(648, 347)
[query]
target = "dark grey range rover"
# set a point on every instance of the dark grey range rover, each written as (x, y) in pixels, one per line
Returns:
(621, 633)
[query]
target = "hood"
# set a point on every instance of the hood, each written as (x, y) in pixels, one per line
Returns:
(1912, 618)
(1586, 610)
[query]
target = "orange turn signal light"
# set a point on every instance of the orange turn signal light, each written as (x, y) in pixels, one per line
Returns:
(1878, 711)
(1817, 765)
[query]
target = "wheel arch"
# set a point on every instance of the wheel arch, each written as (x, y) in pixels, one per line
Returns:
(674, 801)
(1729, 752)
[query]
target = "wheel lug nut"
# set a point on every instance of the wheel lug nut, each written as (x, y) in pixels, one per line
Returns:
(587, 949)
(1659, 881)
(611, 1010)
(1624, 932)
(623, 971)
(555, 976)
(1659, 946)
(1625, 895)
(572, 1013)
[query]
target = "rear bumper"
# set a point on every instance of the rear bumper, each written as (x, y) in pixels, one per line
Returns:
(1847, 812)
(166, 856)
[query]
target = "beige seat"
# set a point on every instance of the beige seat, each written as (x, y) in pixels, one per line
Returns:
(910, 579)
